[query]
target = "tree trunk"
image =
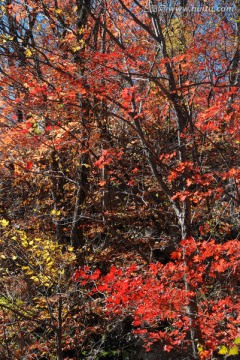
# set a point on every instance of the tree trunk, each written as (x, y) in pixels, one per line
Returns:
(59, 354)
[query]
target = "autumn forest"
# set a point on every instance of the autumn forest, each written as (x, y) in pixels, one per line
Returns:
(119, 180)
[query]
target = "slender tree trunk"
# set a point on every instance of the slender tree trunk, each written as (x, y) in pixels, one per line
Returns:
(59, 353)
(185, 219)
(76, 237)
(57, 192)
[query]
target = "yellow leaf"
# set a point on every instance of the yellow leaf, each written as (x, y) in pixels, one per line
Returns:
(55, 212)
(233, 350)
(4, 222)
(3, 256)
(58, 11)
(24, 268)
(76, 48)
(199, 347)
(3, 9)
(28, 53)
(237, 341)
(223, 350)
(14, 257)
(37, 131)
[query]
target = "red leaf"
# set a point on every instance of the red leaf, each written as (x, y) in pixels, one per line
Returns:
(29, 165)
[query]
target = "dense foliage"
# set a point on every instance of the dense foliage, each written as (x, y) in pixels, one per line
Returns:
(119, 163)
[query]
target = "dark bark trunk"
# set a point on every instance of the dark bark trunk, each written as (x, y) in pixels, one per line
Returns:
(76, 237)
(59, 353)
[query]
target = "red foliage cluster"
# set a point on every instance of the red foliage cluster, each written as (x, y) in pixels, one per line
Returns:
(159, 296)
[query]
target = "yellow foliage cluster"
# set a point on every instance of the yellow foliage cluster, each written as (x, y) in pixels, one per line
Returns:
(41, 259)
